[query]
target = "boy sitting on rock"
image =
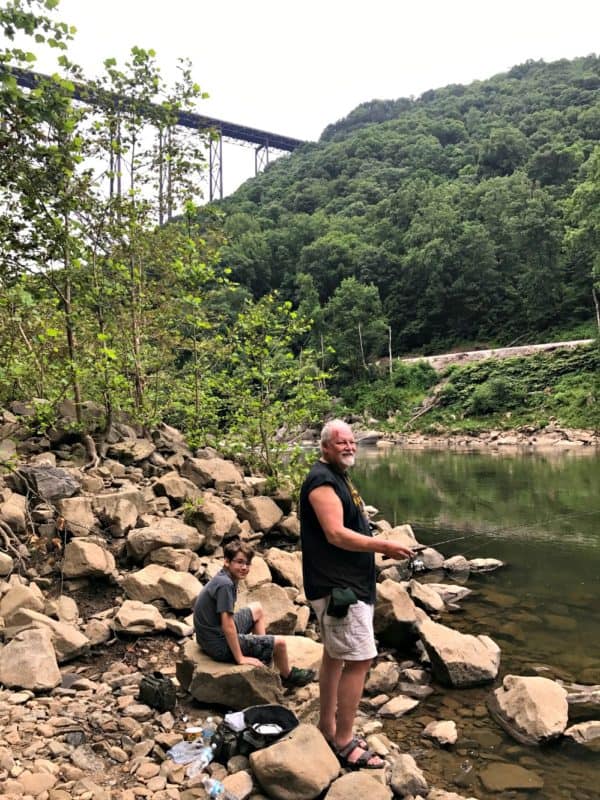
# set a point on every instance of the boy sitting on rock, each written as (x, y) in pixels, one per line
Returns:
(240, 636)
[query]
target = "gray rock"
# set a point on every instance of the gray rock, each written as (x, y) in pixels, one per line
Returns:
(67, 640)
(49, 483)
(13, 511)
(280, 611)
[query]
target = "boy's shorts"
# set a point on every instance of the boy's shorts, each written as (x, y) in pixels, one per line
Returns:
(253, 646)
(349, 638)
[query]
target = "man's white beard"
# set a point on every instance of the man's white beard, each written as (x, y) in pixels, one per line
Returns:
(348, 461)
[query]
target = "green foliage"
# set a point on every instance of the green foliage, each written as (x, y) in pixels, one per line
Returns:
(269, 392)
(564, 386)
(99, 301)
(496, 394)
(454, 206)
(383, 396)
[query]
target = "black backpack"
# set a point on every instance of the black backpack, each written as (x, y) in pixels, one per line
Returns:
(158, 691)
(262, 726)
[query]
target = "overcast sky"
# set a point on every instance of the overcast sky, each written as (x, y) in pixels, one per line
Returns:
(293, 68)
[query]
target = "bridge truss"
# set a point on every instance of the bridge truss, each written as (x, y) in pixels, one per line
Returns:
(263, 141)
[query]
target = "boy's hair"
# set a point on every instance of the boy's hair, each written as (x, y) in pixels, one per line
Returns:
(236, 546)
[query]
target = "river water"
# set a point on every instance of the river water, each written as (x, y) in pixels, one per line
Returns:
(540, 513)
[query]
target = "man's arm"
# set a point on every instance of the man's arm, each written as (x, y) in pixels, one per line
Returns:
(231, 636)
(330, 513)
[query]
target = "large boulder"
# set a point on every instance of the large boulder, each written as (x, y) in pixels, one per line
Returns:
(136, 618)
(214, 520)
(119, 511)
(131, 451)
(457, 659)
(28, 661)
(67, 640)
(532, 710)
(85, 559)
(262, 513)
(235, 685)
(205, 472)
(285, 567)
(20, 597)
(300, 766)
(78, 515)
(168, 532)
(179, 589)
(280, 613)
(176, 488)
(395, 613)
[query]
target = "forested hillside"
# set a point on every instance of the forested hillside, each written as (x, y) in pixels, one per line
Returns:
(472, 210)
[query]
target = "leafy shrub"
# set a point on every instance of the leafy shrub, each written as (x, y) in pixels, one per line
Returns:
(496, 394)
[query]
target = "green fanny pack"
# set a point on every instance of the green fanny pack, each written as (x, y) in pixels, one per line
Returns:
(339, 602)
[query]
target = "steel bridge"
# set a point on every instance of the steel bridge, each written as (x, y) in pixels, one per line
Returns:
(264, 141)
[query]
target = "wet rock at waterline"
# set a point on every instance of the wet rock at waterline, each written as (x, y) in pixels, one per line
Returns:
(501, 777)
(531, 709)
(459, 659)
(586, 734)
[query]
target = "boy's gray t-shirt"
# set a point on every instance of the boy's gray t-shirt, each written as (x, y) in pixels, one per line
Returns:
(219, 595)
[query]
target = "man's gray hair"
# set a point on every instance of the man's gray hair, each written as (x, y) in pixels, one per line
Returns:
(330, 427)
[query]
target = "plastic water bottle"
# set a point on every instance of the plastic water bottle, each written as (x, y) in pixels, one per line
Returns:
(208, 731)
(215, 789)
(201, 761)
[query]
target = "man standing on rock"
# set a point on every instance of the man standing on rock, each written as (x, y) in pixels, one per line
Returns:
(338, 556)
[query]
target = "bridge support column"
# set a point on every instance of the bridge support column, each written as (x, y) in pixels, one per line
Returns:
(215, 168)
(261, 157)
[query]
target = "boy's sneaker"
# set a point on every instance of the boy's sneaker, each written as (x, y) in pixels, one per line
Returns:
(299, 677)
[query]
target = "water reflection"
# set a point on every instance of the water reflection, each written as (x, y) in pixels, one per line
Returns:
(541, 515)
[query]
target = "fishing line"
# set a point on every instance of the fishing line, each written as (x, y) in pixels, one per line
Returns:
(494, 531)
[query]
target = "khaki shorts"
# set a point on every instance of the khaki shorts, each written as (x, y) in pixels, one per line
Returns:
(349, 638)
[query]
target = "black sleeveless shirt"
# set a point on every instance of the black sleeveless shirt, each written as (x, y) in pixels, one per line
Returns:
(324, 565)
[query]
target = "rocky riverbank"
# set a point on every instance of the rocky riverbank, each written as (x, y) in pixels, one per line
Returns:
(551, 439)
(100, 563)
